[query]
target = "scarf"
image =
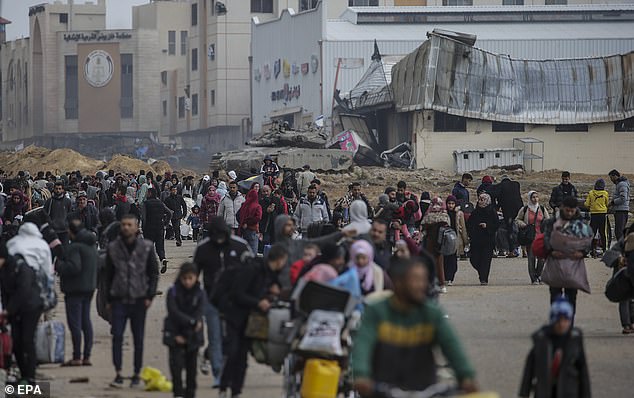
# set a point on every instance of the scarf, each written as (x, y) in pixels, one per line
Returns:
(366, 274)
(212, 195)
(487, 200)
(533, 207)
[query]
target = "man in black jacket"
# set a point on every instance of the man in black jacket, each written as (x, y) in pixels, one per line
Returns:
(271, 208)
(58, 207)
(78, 278)
(86, 213)
(562, 191)
(131, 275)
(176, 204)
(510, 201)
(154, 213)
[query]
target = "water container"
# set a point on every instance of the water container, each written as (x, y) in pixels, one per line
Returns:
(321, 379)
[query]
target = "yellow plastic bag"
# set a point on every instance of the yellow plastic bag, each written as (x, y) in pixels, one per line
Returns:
(154, 380)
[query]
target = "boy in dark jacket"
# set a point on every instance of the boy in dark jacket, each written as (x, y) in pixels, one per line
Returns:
(183, 332)
(78, 277)
(556, 365)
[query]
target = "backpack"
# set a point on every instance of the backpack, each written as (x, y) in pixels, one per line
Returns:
(448, 241)
(45, 284)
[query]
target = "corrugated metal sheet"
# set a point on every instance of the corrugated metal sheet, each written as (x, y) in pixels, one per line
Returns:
(482, 159)
(374, 87)
(451, 77)
(489, 8)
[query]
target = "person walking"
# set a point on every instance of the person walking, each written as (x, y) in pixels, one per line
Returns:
(620, 202)
(183, 329)
(78, 281)
(250, 217)
(436, 218)
(311, 209)
(460, 191)
(597, 202)
(458, 224)
(271, 208)
(510, 201)
(209, 206)
(195, 222)
(305, 179)
(562, 191)
(131, 276)
(58, 206)
(532, 216)
(230, 205)
(482, 226)
(86, 213)
(177, 205)
(154, 213)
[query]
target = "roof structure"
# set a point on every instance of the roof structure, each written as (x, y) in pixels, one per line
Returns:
(4, 21)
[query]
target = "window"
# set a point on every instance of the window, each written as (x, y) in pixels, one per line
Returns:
(194, 14)
(194, 104)
(63, 17)
(164, 77)
(126, 86)
(183, 42)
(212, 97)
(181, 107)
(194, 59)
(624, 125)
(363, 3)
(564, 128)
(556, 2)
(506, 127)
(71, 104)
(262, 6)
(457, 2)
(164, 108)
(171, 42)
(211, 52)
(512, 2)
(305, 5)
(450, 123)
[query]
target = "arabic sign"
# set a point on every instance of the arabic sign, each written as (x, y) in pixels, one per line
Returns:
(97, 36)
(347, 142)
(286, 94)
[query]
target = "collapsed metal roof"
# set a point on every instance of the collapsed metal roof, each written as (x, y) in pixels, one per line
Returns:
(449, 76)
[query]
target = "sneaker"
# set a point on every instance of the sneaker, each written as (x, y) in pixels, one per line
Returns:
(117, 382)
(135, 381)
(223, 394)
(443, 289)
(627, 330)
(179, 244)
(164, 266)
(449, 283)
(483, 283)
(205, 367)
(535, 283)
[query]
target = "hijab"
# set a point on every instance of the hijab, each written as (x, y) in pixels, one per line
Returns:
(222, 189)
(487, 200)
(436, 206)
(212, 195)
(366, 274)
(533, 206)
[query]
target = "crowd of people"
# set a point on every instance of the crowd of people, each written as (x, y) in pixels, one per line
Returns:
(258, 238)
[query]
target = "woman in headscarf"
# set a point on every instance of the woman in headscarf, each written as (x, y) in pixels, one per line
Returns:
(372, 278)
(533, 214)
(130, 194)
(209, 206)
(458, 224)
(358, 218)
(222, 189)
(482, 226)
(250, 217)
(435, 218)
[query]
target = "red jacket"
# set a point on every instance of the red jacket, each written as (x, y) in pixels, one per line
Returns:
(251, 212)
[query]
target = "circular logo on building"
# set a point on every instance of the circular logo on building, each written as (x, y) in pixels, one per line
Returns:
(98, 68)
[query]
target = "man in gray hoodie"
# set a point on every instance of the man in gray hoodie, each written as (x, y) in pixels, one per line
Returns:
(620, 202)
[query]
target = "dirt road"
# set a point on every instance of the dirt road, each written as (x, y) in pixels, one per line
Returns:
(495, 323)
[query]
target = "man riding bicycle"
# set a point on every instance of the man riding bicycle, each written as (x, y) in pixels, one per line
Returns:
(395, 342)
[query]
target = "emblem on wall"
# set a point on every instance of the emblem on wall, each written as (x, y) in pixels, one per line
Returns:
(267, 71)
(277, 67)
(257, 75)
(295, 68)
(98, 68)
(314, 63)
(305, 68)
(286, 67)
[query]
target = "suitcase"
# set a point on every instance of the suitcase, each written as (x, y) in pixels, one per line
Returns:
(49, 342)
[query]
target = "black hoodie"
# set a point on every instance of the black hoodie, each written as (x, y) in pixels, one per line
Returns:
(78, 269)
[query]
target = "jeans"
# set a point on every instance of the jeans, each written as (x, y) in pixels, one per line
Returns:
(571, 296)
(196, 232)
(252, 239)
(180, 358)
(121, 312)
(158, 237)
(598, 224)
(23, 326)
(176, 226)
(480, 258)
(451, 266)
(535, 265)
(620, 221)
(235, 369)
(626, 312)
(78, 319)
(214, 338)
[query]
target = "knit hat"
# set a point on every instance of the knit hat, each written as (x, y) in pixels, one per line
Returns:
(487, 180)
(599, 184)
(561, 308)
(451, 198)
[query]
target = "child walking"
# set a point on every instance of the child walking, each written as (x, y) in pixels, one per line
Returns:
(195, 221)
(183, 329)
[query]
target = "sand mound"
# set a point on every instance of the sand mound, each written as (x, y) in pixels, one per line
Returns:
(161, 167)
(125, 164)
(34, 159)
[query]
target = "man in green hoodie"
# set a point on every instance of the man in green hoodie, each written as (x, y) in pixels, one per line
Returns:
(395, 343)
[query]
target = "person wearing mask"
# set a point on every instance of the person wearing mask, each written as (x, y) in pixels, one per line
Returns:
(481, 227)
(254, 291)
(556, 365)
(230, 205)
(78, 281)
(532, 216)
(457, 223)
(219, 251)
(250, 217)
(86, 213)
(597, 202)
(153, 215)
(311, 209)
(436, 218)
(620, 202)
(22, 307)
(58, 207)
(305, 179)
(562, 191)
(183, 329)
(177, 205)
(131, 276)
(460, 191)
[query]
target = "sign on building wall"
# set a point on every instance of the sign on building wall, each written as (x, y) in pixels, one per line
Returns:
(287, 68)
(97, 36)
(287, 93)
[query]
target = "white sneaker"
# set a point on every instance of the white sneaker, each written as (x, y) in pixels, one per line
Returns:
(443, 289)
(223, 394)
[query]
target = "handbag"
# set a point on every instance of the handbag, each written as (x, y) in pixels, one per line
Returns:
(619, 287)
(566, 273)
(257, 326)
(526, 235)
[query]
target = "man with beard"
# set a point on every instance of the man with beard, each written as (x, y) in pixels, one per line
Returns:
(58, 207)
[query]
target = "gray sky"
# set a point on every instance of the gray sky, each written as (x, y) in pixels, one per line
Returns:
(118, 14)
